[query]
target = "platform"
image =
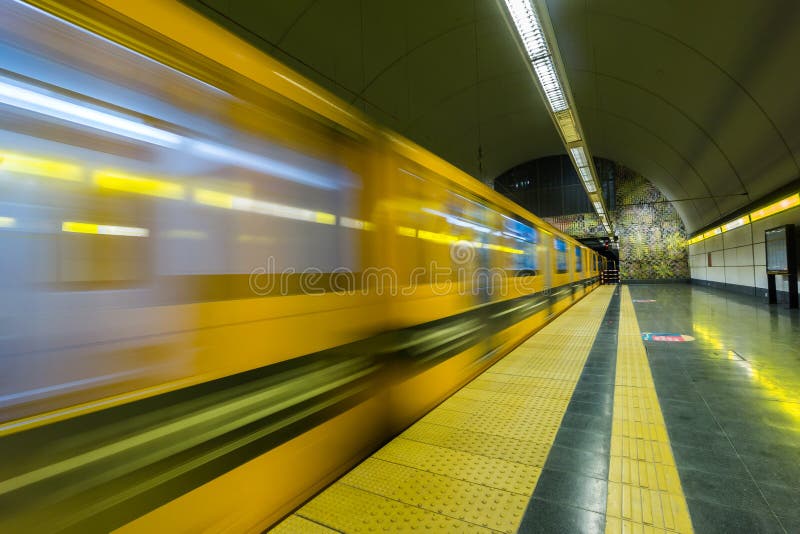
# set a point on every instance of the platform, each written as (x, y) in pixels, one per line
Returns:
(592, 426)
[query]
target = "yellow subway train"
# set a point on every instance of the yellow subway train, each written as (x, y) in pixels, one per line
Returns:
(221, 286)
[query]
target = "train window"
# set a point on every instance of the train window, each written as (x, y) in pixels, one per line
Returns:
(142, 172)
(578, 260)
(523, 239)
(560, 247)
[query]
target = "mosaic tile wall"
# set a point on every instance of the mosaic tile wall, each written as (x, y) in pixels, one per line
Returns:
(652, 239)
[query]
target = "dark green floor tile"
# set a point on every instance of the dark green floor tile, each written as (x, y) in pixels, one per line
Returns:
(573, 489)
(591, 408)
(583, 440)
(688, 436)
(769, 450)
(757, 431)
(685, 393)
(773, 470)
(790, 524)
(708, 518)
(594, 464)
(696, 414)
(556, 518)
(600, 397)
(738, 493)
(707, 461)
(586, 422)
(784, 501)
(597, 379)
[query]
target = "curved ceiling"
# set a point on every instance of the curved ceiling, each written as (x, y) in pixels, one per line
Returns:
(700, 97)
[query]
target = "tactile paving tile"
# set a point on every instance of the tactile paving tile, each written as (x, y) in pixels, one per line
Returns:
(488, 507)
(473, 462)
(525, 451)
(294, 524)
(495, 386)
(348, 509)
(543, 424)
(490, 472)
(462, 404)
(511, 399)
(507, 410)
(644, 489)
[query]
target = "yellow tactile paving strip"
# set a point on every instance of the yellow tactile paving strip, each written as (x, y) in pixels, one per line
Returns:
(471, 464)
(644, 491)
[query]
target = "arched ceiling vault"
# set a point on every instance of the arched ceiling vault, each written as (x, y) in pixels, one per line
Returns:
(700, 97)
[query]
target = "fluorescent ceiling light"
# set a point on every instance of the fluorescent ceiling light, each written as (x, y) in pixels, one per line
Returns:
(781, 205)
(741, 221)
(548, 79)
(580, 156)
(535, 43)
(36, 102)
(543, 56)
(528, 27)
(588, 181)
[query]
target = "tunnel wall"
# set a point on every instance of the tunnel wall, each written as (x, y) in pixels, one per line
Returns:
(651, 234)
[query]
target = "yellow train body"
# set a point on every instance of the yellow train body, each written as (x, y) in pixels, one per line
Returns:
(224, 286)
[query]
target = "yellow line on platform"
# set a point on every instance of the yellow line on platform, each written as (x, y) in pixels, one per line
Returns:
(471, 464)
(644, 490)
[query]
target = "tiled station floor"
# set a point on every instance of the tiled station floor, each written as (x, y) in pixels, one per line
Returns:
(731, 402)
(587, 428)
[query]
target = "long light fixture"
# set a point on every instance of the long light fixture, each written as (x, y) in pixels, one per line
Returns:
(539, 44)
(792, 201)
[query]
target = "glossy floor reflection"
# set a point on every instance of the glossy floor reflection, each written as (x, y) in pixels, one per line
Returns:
(731, 401)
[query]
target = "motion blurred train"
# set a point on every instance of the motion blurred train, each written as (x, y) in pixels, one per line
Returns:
(221, 286)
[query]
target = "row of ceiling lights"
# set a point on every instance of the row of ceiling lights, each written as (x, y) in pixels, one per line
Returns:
(789, 202)
(542, 56)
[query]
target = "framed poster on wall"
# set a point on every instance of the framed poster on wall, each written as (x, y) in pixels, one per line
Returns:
(777, 244)
(781, 258)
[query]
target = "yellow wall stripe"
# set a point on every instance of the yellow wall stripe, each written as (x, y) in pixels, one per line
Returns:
(644, 490)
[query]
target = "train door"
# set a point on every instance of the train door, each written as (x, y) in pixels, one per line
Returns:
(546, 248)
(548, 262)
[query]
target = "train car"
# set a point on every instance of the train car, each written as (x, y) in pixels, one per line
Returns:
(221, 286)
